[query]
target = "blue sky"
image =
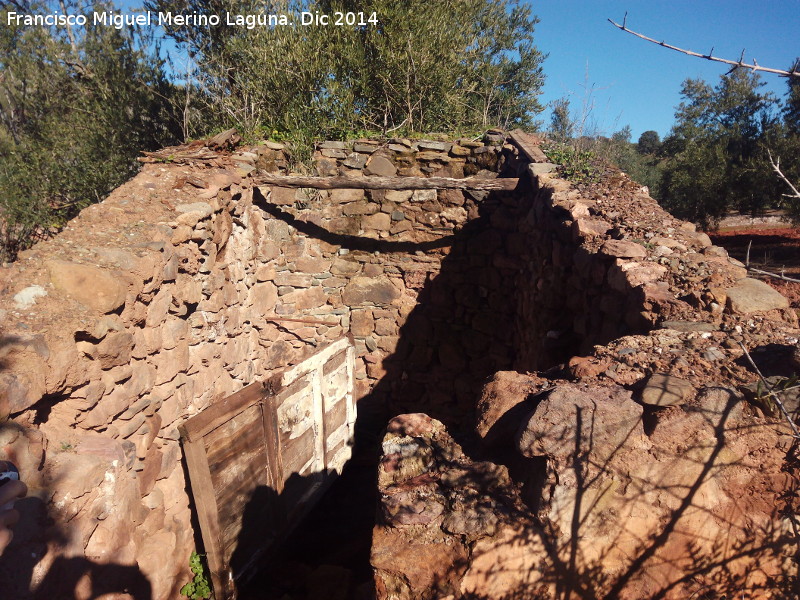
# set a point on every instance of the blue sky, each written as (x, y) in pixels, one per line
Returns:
(636, 83)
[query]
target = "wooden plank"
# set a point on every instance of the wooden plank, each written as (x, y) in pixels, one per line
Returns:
(313, 362)
(529, 144)
(272, 441)
(207, 515)
(297, 452)
(264, 455)
(319, 419)
(336, 416)
(330, 455)
(237, 460)
(351, 399)
(388, 183)
(218, 413)
(333, 363)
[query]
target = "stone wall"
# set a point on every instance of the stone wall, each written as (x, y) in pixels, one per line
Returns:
(182, 287)
(190, 282)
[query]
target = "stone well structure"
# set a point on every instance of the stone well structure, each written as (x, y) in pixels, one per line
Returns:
(193, 280)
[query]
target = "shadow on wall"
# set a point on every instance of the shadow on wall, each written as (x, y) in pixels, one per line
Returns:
(617, 527)
(463, 328)
(461, 331)
(27, 569)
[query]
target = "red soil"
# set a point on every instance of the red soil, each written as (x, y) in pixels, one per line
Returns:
(775, 249)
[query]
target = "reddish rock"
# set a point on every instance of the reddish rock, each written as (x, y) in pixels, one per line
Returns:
(413, 570)
(92, 286)
(603, 417)
(587, 366)
(623, 249)
(415, 424)
(379, 291)
(263, 296)
(589, 227)
(503, 404)
(381, 166)
(361, 322)
(751, 295)
(666, 390)
(304, 299)
(22, 387)
(115, 349)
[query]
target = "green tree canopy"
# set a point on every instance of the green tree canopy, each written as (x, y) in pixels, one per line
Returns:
(76, 107)
(649, 142)
(562, 127)
(717, 149)
(419, 66)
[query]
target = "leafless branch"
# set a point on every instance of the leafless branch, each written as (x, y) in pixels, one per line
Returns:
(771, 393)
(735, 64)
(775, 275)
(776, 166)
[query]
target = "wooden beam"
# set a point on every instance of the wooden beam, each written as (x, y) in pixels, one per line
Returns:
(219, 412)
(529, 144)
(387, 183)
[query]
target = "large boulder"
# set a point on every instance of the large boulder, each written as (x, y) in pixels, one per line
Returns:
(659, 513)
(751, 295)
(95, 288)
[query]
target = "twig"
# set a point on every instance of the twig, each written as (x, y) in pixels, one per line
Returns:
(747, 256)
(776, 166)
(775, 275)
(734, 63)
(772, 394)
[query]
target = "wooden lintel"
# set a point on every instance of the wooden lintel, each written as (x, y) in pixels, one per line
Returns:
(528, 143)
(387, 183)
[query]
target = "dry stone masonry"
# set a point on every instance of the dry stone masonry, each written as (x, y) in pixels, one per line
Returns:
(192, 281)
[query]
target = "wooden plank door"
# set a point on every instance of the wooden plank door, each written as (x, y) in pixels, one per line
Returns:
(261, 458)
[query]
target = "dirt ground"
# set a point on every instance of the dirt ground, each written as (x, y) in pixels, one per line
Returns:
(774, 246)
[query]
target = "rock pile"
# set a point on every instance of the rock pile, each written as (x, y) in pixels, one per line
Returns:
(448, 526)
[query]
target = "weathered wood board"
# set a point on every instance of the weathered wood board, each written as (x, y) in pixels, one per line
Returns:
(259, 459)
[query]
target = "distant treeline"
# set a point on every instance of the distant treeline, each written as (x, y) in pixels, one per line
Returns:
(716, 157)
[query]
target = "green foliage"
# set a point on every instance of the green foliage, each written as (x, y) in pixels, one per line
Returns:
(649, 142)
(425, 66)
(716, 152)
(562, 127)
(620, 151)
(574, 164)
(199, 587)
(787, 146)
(791, 112)
(77, 106)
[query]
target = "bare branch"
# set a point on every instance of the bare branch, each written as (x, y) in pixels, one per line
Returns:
(774, 275)
(734, 63)
(771, 393)
(776, 166)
